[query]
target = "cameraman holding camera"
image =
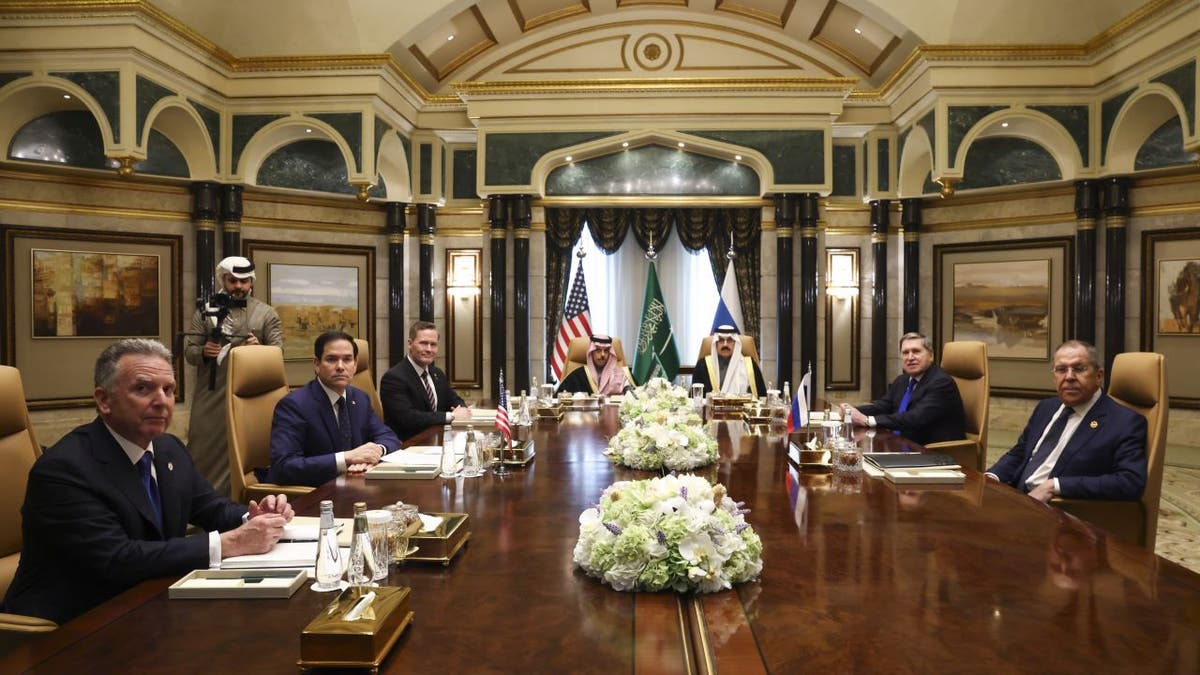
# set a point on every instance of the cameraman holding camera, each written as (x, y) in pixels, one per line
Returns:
(231, 318)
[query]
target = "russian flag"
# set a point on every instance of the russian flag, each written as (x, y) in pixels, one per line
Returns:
(729, 304)
(798, 413)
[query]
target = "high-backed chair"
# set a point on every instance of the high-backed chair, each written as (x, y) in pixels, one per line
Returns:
(577, 354)
(18, 451)
(364, 376)
(1139, 381)
(967, 363)
(748, 349)
(256, 383)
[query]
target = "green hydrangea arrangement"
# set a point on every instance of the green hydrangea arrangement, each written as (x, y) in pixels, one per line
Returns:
(675, 532)
(655, 401)
(676, 443)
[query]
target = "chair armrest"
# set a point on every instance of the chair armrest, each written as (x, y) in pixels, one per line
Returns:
(19, 623)
(965, 452)
(260, 490)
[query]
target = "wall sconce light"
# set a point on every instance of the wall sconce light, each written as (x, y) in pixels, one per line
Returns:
(843, 275)
(465, 276)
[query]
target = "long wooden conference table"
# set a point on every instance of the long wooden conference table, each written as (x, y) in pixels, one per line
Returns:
(858, 576)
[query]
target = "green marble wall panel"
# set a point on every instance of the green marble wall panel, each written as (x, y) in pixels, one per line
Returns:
(884, 149)
(866, 181)
(653, 170)
(1075, 119)
(244, 128)
(960, 119)
(67, 137)
(1108, 116)
(163, 158)
(1005, 160)
(930, 126)
(845, 172)
(1183, 81)
(212, 122)
(1164, 148)
(381, 129)
(315, 164)
(465, 172)
(5, 78)
(148, 93)
(903, 140)
(510, 156)
(349, 127)
(797, 156)
(425, 159)
(378, 191)
(930, 187)
(105, 87)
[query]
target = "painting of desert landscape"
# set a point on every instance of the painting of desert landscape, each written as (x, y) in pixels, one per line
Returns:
(89, 294)
(1178, 297)
(1005, 305)
(310, 300)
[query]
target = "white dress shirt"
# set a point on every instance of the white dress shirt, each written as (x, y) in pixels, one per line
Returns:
(1041, 473)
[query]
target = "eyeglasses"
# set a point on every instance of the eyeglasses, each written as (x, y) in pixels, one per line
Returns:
(1078, 370)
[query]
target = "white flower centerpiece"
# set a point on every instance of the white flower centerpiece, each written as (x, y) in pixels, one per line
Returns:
(670, 442)
(655, 400)
(676, 533)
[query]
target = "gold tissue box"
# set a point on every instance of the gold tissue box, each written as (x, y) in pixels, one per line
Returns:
(549, 412)
(520, 454)
(444, 542)
(330, 640)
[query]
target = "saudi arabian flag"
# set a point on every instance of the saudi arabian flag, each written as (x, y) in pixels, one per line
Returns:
(656, 355)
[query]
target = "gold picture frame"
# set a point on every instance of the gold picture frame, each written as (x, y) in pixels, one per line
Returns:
(1165, 255)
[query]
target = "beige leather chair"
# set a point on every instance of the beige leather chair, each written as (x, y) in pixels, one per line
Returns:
(18, 451)
(748, 349)
(967, 363)
(364, 376)
(1139, 381)
(577, 354)
(256, 383)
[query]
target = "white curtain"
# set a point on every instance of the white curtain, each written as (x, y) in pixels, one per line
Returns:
(616, 286)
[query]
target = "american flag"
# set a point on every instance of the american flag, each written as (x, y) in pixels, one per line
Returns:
(576, 322)
(502, 414)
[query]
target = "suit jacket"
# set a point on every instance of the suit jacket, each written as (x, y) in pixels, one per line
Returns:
(935, 410)
(1104, 459)
(89, 530)
(406, 408)
(304, 434)
(700, 374)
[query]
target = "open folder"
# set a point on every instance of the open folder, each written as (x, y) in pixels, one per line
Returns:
(910, 460)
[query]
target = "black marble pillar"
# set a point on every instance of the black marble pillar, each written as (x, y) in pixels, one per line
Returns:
(397, 331)
(521, 218)
(231, 220)
(807, 216)
(497, 281)
(785, 220)
(910, 220)
(1087, 210)
(426, 225)
(206, 204)
(1115, 193)
(879, 298)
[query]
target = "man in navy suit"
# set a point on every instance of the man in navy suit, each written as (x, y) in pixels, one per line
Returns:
(108, 506)
(923, 404)
(415, 393)
(1081, 444)
(327, 427)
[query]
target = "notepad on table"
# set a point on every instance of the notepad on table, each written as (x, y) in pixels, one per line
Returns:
(925, 476)
(911, 460)
(288, 554)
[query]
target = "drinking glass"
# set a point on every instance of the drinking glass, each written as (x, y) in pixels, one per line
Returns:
(547, 396)
(847, 456)
(378, 521)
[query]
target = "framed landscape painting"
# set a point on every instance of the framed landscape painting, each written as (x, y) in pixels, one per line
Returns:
(1171, 308)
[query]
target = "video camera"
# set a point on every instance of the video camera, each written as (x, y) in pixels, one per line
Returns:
(218, 307)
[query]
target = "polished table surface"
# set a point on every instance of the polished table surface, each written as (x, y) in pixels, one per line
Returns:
(857, 577)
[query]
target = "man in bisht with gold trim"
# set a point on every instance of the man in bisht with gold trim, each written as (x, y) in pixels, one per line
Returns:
(737, 373)
(600, 374)
(231, 318)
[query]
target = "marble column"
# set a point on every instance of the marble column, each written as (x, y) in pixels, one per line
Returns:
(522, 217)
(910, 220)
(785, 220)
(879, 299)
(497, 282)
(1087, 210)
(231, 220)
(206, 201)
(1115, 192)
(807, 216)
(397, 331)
(426, 225)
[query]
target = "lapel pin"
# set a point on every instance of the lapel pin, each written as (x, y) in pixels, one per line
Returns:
(1094, 424)
(170, 466)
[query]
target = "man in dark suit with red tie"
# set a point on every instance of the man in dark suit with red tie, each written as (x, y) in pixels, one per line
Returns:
(922, 405)
(327, 427)
(1081, 444)
(415, 393)
(108, 505)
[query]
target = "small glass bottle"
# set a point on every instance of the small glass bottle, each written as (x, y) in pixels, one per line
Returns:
(362, 557)
(449, 467)
(848, 426)
(523, 417)
(329, 555)
(471, 458)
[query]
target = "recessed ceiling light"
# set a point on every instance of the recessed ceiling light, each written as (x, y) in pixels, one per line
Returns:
(1004, 124)
(858, 31)
(681, 144)
(625, 144)
(449, 37)
(307, 131)
(67, 96)
(570, 158)
(738, 157)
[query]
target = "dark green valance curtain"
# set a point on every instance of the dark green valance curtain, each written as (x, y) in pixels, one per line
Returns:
(698, 229)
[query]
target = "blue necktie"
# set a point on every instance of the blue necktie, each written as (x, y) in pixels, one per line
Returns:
(1047, 445)
(151, 488)
(343, 415)
(904, 400)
